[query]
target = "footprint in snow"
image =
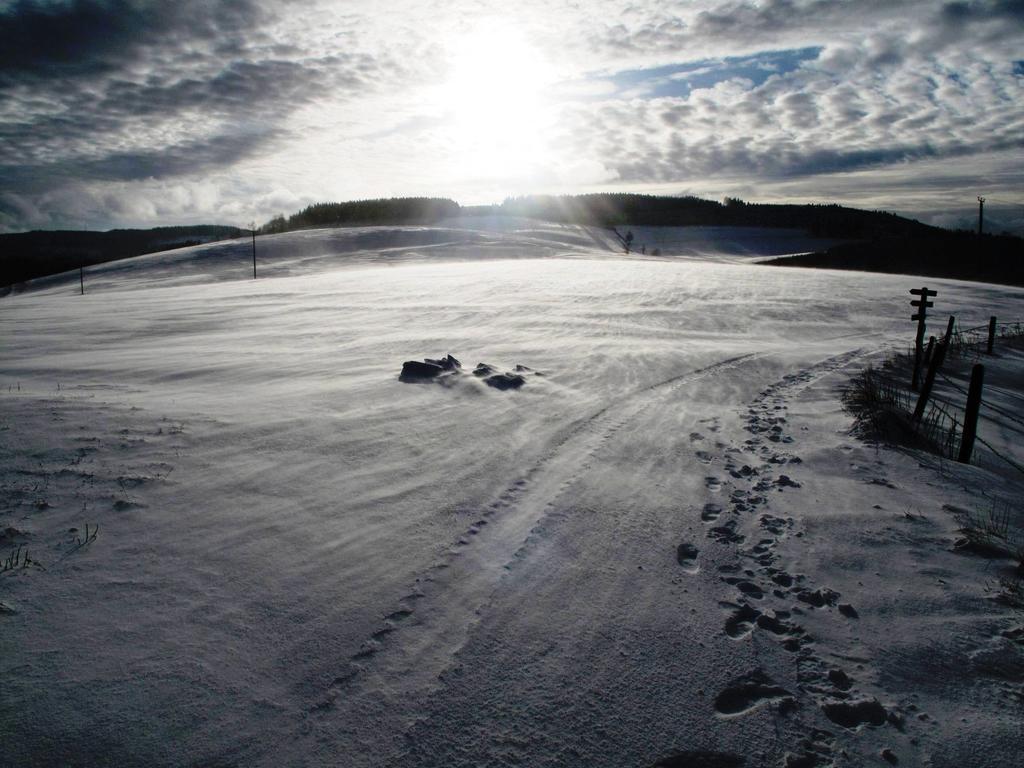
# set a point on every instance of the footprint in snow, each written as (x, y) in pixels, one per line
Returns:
(747, 692)
(686, 555)
(851, 714)
(701, 759)
(711, 513)
(776, 525)
(726, 533)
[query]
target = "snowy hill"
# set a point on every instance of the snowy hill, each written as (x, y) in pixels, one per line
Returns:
(665, 547)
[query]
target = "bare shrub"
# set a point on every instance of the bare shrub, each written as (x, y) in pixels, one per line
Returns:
(989, 533)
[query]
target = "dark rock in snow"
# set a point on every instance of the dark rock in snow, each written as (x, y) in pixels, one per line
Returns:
(413, 370)
(505, 381)
(848, 611)
(522, 368)
(448, 363)
(443, 369)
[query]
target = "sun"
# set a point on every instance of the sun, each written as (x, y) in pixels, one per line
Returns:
(494, 105)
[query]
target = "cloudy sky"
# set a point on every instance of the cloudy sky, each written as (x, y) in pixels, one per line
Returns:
(138, 113)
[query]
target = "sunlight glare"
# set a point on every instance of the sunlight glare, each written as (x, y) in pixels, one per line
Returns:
(494, 99)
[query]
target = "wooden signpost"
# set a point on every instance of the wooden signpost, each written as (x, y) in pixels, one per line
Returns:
(935, 358)
(920, 315)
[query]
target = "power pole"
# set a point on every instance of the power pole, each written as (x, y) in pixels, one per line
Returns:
(981, 212)
(252, 228)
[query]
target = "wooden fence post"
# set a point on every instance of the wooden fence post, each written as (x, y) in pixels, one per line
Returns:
(937, 357)
(948, 338)
(971, 416)
(929, 382)
(991, 333)
(915, 380)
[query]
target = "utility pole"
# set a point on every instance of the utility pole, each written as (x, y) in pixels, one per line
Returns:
(252, 228)
(981, 212)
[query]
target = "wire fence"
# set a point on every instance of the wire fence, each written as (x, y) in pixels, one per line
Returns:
(972, 342)
(940, 428)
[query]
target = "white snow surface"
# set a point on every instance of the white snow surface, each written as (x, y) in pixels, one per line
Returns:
(302, 560)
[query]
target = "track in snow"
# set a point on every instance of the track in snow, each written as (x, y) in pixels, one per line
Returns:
(753, 524)
(419, 636)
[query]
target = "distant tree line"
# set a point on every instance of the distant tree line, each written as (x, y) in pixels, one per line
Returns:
(627, 209)
(958, 255)
(27, 255)
(880, 238)
(613, 210)
(398, 210)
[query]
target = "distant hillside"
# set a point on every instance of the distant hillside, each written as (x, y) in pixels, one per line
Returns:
(398, 210)
(956, 255)
(611, 210)
(27, 255)
(625, 209)
(881, 241)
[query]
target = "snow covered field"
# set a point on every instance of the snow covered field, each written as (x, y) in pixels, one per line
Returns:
(664, 547)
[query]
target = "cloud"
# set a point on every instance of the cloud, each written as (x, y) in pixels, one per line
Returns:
(746, 27)
(49, 40)
(852, 107)
(134, 112)
(116, 90)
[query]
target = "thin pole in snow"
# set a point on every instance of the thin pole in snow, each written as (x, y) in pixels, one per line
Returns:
(252, 227)
(937, 356)
(971, 416)
(81, 279)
